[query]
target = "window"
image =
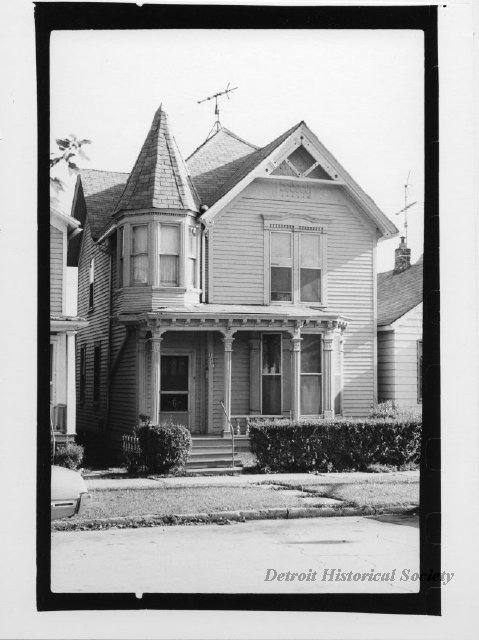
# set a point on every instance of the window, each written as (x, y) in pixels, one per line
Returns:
(295, 250)
(310, 267)
(192, 256)
(121, 254)
(311, 376)
(419, 370)
(271, 370)
(174, 384)
(82, 372)
(92, 284)
(281, 266)
(169, 255)
(139, 255)
(96, 373)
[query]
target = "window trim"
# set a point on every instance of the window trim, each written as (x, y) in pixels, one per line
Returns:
(296, 225)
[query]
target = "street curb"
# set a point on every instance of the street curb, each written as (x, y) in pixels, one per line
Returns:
(225, 517)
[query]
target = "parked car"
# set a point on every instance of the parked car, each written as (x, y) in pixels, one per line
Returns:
(69, 493)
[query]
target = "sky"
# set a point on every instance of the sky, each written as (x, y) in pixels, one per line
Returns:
(360, 91)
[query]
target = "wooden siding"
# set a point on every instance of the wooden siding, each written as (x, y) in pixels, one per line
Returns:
(57, 239)
(91, 416)
(397, 360)
(237, 256)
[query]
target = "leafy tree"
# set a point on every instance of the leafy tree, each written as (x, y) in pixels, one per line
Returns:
(68, 150)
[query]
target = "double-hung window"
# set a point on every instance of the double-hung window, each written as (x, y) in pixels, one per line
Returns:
(91, 287)
(169, 255)
(121, 255)
(271, 374)
(311, 375)
(281, 266)
(295, 250)
(139, 255)
(310, 267)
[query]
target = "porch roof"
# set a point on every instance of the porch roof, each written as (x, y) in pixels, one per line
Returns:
(224, 317)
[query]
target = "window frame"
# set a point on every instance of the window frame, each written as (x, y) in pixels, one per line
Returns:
(296, 225)
(141, 253)
(193, 230)
(319, 374)
(280, 374)
(121, 256)
(178, 227)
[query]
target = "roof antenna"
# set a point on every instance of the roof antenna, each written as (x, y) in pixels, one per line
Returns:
(406, 205)
(217, 124)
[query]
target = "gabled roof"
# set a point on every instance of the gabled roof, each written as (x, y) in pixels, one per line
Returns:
(216, 160)
(398, 293)
(101, 190)
(255, 165)
(159, 179)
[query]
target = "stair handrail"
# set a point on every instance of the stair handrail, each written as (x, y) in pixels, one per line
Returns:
(232, 435)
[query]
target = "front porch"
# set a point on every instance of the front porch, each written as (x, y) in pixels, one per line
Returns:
(216, 367)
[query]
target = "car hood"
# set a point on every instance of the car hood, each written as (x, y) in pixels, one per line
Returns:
(66, 484)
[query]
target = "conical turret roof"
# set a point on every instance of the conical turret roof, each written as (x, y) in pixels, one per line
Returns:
(159, 179)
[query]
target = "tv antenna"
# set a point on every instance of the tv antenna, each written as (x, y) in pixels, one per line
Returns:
(215, 96)
(406, 205)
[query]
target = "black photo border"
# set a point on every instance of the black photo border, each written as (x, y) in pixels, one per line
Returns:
(82, 16)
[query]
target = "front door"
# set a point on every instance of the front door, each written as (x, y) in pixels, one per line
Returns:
(175, 390)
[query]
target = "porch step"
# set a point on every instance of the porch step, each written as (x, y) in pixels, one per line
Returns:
(213, 471)
(212, 453)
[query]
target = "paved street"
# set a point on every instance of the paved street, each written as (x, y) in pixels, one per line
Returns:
(236, 558)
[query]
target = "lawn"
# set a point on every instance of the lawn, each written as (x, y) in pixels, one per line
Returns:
(184, 500)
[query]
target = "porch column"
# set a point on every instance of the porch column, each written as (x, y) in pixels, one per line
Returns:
(70, 384)
(296, 373)
(328, 342)
(141, 345)
(155, 340)
(228, 342)
(254, 376)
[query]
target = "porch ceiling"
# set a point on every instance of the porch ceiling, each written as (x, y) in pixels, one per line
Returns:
(220, 317)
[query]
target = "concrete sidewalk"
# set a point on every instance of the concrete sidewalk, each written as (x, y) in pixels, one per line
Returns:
(297, 479)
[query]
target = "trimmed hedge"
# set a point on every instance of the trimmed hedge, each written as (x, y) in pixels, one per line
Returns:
(162, 448)
(341, 444)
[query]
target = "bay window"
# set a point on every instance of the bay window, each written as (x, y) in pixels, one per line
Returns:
(139, 255)
(169, 255)
(192, 256)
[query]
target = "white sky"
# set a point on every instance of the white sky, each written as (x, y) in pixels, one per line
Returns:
(361, 92)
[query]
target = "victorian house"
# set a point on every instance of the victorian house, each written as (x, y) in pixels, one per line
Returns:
(239, 283)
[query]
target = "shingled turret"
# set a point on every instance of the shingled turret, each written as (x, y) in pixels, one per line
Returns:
(159, 179)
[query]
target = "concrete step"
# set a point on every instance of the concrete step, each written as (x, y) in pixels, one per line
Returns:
(210, 462)
(210, 453)
(216, 471)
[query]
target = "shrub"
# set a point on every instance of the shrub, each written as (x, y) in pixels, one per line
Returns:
(341, 444)
(163, 448)
(390, 409)
(69, 455)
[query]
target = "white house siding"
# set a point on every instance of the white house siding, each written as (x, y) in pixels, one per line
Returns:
(237, 252)
(397, 359)
(56, 270)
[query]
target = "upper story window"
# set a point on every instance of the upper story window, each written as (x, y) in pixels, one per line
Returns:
(193, 256)
(91, 289)
(121, 254)
(296, 252)
(139, 255)
(169, 255)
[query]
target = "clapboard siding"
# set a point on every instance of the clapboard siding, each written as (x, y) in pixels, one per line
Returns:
(57, 239)
(123, 414)
(397, 359)
(238, 272)
(91, 416)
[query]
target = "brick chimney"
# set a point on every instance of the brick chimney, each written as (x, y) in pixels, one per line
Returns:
(402, 259)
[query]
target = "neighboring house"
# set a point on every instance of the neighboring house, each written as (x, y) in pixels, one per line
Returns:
(245, 276)
(400, 330)
(62, 329)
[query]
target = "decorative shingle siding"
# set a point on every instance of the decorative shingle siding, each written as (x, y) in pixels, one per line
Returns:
(56, 271)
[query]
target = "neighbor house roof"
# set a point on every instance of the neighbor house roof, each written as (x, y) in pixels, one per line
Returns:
(101, 190)
(398, 293)
(159, 179)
